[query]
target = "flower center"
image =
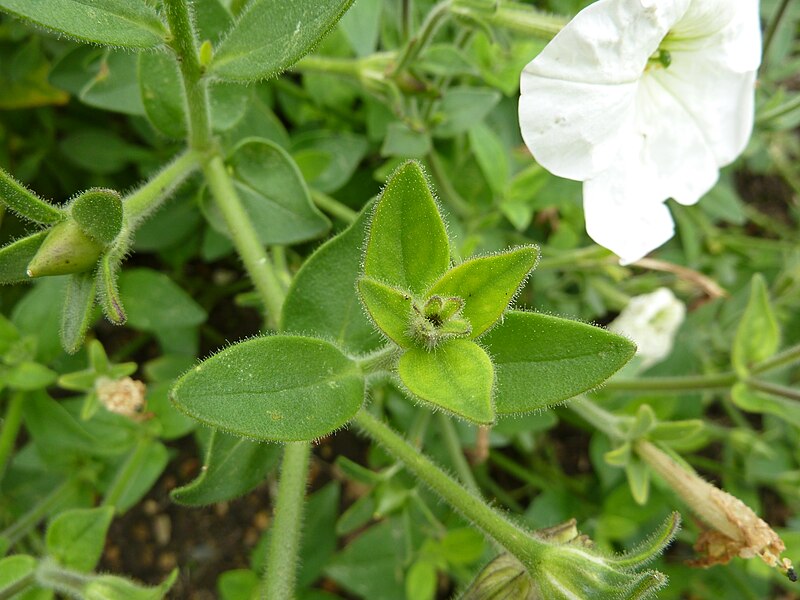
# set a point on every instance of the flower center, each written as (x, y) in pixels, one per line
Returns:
(661, 59)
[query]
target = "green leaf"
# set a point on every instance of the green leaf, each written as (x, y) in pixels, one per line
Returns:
(25, 203)
(362, 26)
(233, 466)
(401, 140)
(457, 377)
(758, 334)
(156, 303)
(421, 581)
(28, 376)
(491, 156)
(407, 246)
(271, 35)
(64, 251)
(541, 360)
(638, 475)
(139, 471)
(15, 257)
(462, 546)
(238, 584)
(390, 308)
(162, 94)
(273, 193)
(279, 388)
(101, 78)
(463, 107)
(319, 536)
(756, 401)
(342, 151)
(75, 538)
(323, 301)
(98, 212)
(15, 568)
(76, 316)
(108, 290)
(111, 587)
(488, 284)
(127, 23)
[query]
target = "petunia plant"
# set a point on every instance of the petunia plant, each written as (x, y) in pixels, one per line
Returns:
(389, 361)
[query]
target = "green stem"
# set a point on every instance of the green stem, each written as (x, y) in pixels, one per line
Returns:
(18, 586)
(128, 471)
(10, 429)
(779, 111)
(600, 419)
(31, 518)
(379, 360)
(147, 198)
(518, 471)
(787, 357)
(245, 238)
(771, 29)
(422, 38)
(588, 256)
(497, 526)
(670, 385)
(279, 575)
(517, 17)
(347, 67)
(184, 44)
(453, 445)
(333, 207)
(772, 388)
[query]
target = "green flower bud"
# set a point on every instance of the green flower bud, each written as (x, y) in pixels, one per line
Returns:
(570, 569)
(65, 250)
(439, 319)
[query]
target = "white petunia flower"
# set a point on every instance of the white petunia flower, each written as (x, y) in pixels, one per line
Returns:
(651, 320)
(643, 100)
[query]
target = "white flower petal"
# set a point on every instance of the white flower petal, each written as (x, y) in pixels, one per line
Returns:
(627, 226)
(675, 155)
(719, 101)
(731, 29)
(574, 129)
(577, 94)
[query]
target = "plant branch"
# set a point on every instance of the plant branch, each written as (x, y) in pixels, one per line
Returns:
(526, 548)
(782, 359)
(184, 43)
(149, 196)
(772, 388)
(453, 445)
(280, 570)
(245, 238)
(671, 385)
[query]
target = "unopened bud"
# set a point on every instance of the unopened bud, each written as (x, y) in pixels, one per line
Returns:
(65, 250)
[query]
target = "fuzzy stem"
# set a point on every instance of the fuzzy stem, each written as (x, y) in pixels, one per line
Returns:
(789, 356)
(518, 17)
(185, 46)
(600, 419)
(10, 429)
(498, 527)
(423, 37)
(451, 441)
(279, 574)
(670, 385)
(772, 388)
(245, 238)
(147, 198)
(333, 207)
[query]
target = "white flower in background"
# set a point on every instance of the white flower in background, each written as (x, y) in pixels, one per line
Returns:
(124, 396)
(643, 100)
(651, 320)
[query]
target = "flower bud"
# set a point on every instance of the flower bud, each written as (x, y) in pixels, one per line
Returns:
(65, 250)
(122, 396)
(569, 569)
